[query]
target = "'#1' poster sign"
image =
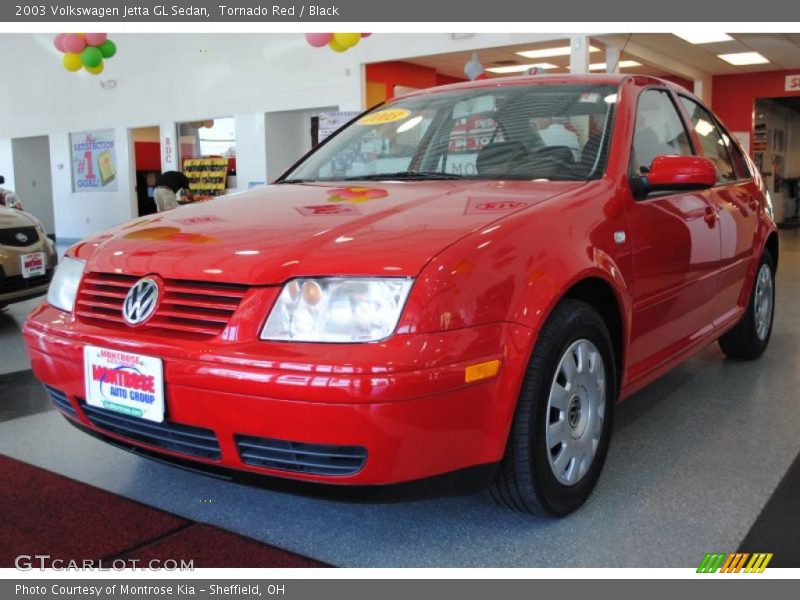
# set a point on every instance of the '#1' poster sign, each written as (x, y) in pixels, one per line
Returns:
(94, 161)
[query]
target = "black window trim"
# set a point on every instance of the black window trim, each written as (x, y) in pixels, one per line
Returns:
(687, 130)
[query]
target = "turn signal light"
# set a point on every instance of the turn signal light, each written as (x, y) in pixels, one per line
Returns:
(480, 371)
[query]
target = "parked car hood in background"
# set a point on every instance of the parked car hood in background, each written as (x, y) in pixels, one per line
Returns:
(268, 235)
(12, 217)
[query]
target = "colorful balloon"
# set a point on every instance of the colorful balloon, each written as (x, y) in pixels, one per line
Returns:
(95, 70)
(318, 40)
(72, 61)
(73, 42)
(108, 49)
(346, 40)
(95, 39)
(91, 57)
(333, 45)
(58, 42)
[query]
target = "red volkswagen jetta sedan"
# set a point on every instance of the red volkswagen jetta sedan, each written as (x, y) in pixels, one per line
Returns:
(468, 275)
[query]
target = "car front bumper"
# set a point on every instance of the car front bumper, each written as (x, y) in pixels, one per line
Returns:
(402, 405)
(13, 286)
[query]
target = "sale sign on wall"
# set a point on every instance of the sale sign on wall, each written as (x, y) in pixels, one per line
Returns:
(793, 83)
(94, 161)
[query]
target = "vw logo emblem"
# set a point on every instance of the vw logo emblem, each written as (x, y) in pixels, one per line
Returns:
(141, 301)
(21, 237)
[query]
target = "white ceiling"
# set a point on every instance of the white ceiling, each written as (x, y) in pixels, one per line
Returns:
(658, 53)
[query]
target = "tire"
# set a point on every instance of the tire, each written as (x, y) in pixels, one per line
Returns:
(750, 337)
(531, 478)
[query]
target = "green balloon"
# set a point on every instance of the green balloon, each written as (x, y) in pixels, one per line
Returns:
(91, 57)
(108, 48)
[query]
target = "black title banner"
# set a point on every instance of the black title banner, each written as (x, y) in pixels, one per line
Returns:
(461, 11)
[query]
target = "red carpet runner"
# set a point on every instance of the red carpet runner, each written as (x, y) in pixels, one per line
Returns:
(45, 513)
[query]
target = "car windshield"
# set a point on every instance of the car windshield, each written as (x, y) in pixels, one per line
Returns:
(556, 132)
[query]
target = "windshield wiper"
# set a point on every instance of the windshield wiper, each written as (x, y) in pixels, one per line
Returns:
(405, 175)
(296, 181)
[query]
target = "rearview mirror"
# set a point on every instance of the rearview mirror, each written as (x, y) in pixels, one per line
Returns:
(474, 106)
(676, 173)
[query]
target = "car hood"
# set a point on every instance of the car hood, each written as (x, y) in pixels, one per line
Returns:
(11, 217)
(274, 233)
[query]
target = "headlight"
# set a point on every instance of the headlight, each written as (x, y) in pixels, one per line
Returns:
(337, 310)
(12, 201)
(64, 286)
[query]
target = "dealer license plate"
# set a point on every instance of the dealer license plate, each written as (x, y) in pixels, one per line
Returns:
(32, 265)
(127, 383)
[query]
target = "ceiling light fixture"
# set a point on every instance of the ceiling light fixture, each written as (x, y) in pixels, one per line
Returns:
(704, 37)
(521, 68)
(625, 64)
(743, 58)
(549, 52)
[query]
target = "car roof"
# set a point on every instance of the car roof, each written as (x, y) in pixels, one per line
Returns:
(590, 78)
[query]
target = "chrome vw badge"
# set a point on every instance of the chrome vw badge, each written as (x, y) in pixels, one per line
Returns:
(21, 237)
(141, 301)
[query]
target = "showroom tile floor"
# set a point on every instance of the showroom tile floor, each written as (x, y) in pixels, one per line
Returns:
(694, 460)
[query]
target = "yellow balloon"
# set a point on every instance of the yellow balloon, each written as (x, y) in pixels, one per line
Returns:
(346, 40)
(72, 61)
(336, 47)
(95, 70)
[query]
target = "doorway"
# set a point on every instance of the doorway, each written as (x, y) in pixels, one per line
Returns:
(776, 152)
(32, 179)
(147, 166)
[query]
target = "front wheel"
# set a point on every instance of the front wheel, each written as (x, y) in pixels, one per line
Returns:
(562, 425)
(750, 337)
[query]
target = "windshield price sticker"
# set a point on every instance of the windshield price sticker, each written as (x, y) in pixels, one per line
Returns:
(390, 115)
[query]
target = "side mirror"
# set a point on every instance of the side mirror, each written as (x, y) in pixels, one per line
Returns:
(676, 173)
(2, 180)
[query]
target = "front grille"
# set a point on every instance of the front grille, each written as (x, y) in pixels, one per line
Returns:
(189, 309)
(184, 439)
(300, 457)
(19, 237)
(61, 401)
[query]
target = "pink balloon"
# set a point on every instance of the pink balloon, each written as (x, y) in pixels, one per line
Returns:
(363, 35)
(318, 40)
(72, 42)
(95, 39)
(58, 42)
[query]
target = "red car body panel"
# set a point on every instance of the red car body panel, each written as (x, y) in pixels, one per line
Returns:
(491, 259)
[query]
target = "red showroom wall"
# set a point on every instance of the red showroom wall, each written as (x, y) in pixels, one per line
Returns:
(148, 156)
(383, 77)
(733, 97)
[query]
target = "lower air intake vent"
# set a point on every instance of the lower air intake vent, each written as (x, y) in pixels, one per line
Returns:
(314, 459)
(184, 439)
(61, 401)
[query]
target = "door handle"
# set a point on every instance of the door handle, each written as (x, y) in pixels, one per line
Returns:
(711, 217)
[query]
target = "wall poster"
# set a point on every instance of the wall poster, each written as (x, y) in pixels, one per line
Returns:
(94, 161)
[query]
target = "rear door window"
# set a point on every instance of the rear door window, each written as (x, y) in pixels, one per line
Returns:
(714, 141)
